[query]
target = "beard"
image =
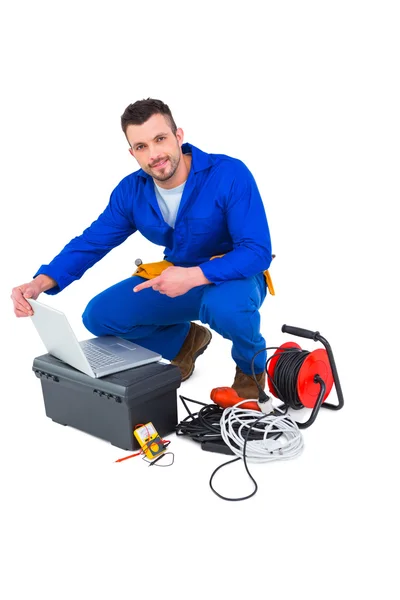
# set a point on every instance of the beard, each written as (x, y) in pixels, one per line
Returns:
(167, 171)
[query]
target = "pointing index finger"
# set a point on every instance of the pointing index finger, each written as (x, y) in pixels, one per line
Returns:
(146, 284)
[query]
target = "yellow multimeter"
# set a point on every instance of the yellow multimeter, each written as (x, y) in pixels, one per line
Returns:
(149, 440)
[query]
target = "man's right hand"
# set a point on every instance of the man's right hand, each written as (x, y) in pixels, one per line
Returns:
(22, 293)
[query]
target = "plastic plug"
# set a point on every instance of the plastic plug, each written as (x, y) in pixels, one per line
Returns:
(265, 403)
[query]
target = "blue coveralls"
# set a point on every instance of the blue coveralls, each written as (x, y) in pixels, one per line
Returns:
(221, 212)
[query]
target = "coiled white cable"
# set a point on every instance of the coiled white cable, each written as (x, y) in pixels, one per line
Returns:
(236, 422)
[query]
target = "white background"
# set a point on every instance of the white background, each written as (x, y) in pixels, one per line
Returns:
(307, 95)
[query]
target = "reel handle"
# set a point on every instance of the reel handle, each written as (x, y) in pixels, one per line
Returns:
(305, 333)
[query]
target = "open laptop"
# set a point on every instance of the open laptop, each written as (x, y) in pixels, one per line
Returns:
(97, 356)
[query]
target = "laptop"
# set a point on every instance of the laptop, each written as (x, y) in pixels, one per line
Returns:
(97, 356)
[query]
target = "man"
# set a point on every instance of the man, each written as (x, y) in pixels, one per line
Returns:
(206, 210)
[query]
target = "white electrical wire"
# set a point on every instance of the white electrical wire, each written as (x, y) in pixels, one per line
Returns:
(235, 423)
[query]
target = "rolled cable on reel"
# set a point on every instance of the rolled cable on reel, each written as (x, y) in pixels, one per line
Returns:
(304, 379)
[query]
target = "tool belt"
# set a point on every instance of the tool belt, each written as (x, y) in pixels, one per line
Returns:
(151, 270)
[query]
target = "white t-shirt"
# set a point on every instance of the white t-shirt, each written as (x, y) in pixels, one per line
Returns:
(169, 201)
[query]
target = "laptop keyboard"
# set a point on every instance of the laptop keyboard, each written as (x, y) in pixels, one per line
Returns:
(99, 358)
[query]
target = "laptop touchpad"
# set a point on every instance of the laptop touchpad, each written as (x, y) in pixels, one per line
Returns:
(119, 345)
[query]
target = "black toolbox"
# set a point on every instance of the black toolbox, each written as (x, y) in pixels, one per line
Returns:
(110, 407)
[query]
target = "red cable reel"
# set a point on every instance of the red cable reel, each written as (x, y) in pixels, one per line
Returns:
(316, 363)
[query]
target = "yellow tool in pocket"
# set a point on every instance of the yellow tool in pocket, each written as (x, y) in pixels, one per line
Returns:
(270, 285)
(151, 270)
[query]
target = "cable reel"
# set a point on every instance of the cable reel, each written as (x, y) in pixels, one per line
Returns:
(304, 379)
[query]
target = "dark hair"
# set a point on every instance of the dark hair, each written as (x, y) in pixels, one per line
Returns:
(141, 111)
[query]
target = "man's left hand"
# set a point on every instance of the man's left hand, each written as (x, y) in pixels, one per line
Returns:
(175, 281)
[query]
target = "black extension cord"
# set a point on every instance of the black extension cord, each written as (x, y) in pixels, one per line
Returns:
(286, 374)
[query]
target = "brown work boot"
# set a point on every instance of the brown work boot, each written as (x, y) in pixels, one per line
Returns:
(195, 343)
(245, 386)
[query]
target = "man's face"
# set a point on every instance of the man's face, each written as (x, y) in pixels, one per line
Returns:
(155, 147)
